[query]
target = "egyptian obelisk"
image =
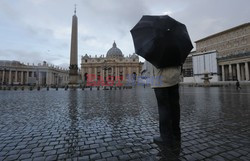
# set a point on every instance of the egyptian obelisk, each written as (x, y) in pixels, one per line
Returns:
(73, 68)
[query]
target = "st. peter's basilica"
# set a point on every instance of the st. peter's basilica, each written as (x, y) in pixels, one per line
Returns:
(112, 67)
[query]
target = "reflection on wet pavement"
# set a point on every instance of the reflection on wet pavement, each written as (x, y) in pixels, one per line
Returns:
(120, 125)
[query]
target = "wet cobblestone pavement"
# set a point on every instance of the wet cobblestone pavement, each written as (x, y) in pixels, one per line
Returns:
(120, 124)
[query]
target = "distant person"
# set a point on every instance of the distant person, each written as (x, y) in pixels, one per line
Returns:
(166, 87)
(237, 85)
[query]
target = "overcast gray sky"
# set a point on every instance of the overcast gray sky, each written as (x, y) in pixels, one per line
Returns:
(39, 30)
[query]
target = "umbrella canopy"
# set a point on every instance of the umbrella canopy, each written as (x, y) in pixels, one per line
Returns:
(161, 40)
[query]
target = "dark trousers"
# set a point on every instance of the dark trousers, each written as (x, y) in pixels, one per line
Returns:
(169, 112)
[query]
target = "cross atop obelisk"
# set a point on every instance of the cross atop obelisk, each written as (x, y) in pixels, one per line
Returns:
(73, 68)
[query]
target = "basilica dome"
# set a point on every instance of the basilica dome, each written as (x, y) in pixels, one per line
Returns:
(114, 52)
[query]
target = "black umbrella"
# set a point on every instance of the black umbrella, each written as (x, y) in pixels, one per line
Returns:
(161, 40)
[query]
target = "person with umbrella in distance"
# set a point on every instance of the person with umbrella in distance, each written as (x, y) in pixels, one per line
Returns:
(165, 43)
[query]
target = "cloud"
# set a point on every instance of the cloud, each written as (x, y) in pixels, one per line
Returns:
(207, 17)
(31, 56)
(21, 56)
(30, 28)
(64, 65)
(8, 12)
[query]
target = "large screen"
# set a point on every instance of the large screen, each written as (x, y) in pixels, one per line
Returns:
(205, 63)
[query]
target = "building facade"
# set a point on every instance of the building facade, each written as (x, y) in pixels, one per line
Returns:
(187, 69)
(114, 67)
(233, 52)
(16, 73)
(235, 67)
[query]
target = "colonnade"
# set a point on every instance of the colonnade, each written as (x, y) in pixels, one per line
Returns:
(235, 71)
(11, 76)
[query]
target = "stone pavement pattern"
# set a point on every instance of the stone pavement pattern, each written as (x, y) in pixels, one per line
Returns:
(120, 124)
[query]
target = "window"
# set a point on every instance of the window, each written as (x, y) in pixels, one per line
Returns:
(188, 72)
(30, 74)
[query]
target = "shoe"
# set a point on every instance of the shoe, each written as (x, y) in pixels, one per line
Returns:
(158, 139)
(161, 140)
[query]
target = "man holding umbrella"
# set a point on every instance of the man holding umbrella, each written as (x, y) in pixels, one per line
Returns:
(165, 43)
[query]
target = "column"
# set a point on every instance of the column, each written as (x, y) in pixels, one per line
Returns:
(82, 74)
(247, 71)
(27, 80)
(223, 73)
(124, 73)
(3, 79)
(102, 74)
(39, 76)
(112, 73)
(89, 73)
(238, 71)
(96, 73)
(130, 74)
(230, 72)
(21, 77)
(16, 76)
(117, 72)
(47, 78)
(57, 79)
(10, 77)
(51, 78)
(107, 71)
(138, 72)
(242, 71)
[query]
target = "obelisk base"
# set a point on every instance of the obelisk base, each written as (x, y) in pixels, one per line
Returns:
(73, 81)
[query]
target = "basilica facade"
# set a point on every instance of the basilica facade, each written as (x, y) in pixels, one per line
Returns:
(113, 68)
